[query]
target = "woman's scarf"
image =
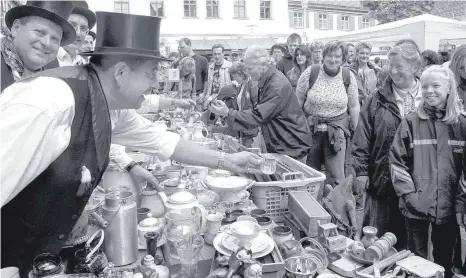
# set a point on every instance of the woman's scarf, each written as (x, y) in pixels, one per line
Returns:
(329, 72)
(434, 113)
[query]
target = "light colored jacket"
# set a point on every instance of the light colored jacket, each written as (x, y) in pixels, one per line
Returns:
(224, 77)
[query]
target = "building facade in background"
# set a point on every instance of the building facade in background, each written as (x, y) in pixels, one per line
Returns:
(314, 19)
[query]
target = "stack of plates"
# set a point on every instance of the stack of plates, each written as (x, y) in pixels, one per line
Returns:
(261, 246)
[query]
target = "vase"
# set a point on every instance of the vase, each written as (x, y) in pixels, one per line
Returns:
(369, 236)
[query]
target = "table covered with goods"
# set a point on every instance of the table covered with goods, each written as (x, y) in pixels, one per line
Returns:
(281, 221)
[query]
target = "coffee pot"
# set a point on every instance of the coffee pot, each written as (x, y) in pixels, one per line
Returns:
(183, 202)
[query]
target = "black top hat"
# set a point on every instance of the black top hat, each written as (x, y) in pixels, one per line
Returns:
(81, 7)
(125, 34)
(55, 11)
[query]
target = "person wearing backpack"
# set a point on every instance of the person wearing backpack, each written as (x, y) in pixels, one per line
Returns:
(328, 94)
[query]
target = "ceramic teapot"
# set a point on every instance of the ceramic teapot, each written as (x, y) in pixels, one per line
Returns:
(185, 203)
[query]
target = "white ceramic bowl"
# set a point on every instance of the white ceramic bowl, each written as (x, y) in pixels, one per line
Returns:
(244, 231)
(227, 188)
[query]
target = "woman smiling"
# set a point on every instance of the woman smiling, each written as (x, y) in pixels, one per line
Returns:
(425, 164)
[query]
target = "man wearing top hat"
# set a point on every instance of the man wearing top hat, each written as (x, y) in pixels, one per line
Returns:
(82, 19)
(38, 29)
(59, 126)
(88, 44)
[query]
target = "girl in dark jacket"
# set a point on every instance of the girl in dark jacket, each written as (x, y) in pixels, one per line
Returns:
(426, 163)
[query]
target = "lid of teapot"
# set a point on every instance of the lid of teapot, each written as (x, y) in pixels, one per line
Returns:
(182, 198)
(150, 221)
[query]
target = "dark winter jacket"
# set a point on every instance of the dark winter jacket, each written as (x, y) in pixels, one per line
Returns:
(378, 121)
(278, 114)
(285, 64)
(426, 164)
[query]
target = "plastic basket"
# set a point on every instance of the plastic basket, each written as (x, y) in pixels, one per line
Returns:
(273, 196)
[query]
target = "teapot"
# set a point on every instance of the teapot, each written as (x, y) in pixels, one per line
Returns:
(185, 203)
(150, 224)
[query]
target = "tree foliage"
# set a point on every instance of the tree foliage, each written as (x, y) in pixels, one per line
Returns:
(393, 10)
(5, 6)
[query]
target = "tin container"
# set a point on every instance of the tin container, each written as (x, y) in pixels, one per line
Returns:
(121, 235)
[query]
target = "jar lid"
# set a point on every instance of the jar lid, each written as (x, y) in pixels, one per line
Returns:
(150, 221)
(182, 197)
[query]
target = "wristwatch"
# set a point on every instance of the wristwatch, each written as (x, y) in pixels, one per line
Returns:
(131, 166)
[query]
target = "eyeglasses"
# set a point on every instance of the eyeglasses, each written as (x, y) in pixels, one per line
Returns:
(81, 29)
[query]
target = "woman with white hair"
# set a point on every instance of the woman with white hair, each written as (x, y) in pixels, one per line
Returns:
(379, 119)
(276, 110)
(426, 164)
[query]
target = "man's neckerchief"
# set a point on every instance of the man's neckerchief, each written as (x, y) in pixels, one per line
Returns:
(11, 57)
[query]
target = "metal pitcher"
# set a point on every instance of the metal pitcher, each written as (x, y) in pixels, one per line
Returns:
(121, 235)
(300, 267)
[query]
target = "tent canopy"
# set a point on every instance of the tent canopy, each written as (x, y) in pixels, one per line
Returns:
(426, 30)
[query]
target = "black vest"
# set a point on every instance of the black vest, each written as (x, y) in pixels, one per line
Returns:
(40, 218)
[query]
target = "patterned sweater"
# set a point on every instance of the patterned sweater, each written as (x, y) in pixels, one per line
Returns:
(328, 97)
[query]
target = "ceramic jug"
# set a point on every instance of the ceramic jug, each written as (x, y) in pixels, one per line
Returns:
(198, 132)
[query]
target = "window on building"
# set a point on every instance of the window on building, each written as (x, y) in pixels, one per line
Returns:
(298, 20)
(323, 21)
(345, 23)
(190, 8)
(122, 7)
(156, 8)
(365, 22)
(212, 8)
(240, 8)
(265, 9)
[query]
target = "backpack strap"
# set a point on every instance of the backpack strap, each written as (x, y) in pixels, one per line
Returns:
(315, 70)
(346, 75)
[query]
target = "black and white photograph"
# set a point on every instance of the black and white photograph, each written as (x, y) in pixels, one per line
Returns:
(233, 139)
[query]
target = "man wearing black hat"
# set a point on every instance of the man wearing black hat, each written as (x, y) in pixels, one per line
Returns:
(37, 31)
(88, 44)
(59, 127)
(82, 19)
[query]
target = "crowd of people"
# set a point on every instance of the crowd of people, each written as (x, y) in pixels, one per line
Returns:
(399, 129)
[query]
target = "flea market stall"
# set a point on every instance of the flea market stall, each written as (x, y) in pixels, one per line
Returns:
(276, 221)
